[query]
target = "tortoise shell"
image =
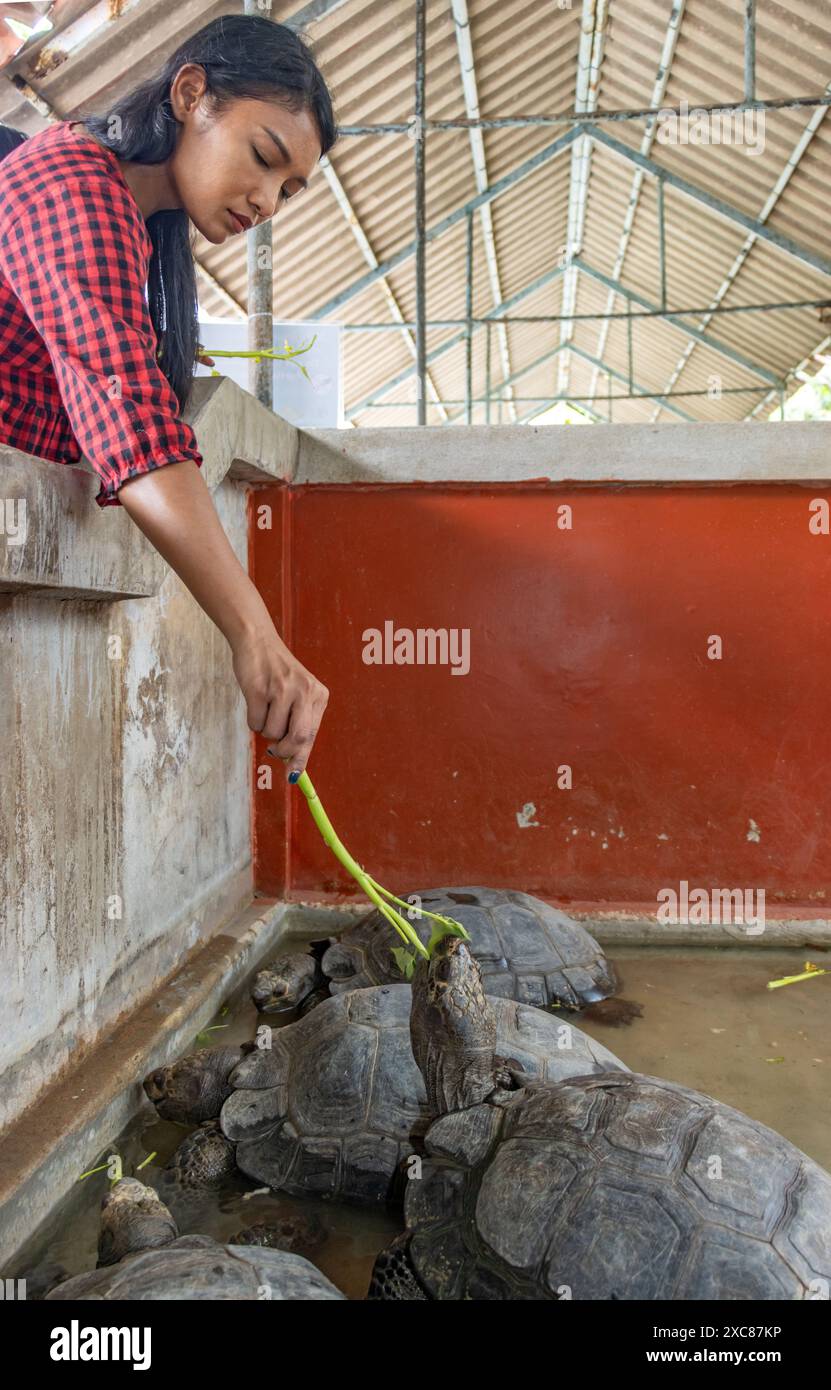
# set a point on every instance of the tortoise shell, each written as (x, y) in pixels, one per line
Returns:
(337, 1102)
(618, 1186)
(196, 1267)
(526, 949)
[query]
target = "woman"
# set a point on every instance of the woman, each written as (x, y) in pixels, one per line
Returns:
(98, 308)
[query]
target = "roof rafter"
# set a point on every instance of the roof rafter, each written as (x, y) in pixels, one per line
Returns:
(464, 44)
(351, 217)
(589, 59)
(716, 205)
(656, 102)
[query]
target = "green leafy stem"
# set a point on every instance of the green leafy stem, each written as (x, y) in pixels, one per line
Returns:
(404, 956)
(288, 354)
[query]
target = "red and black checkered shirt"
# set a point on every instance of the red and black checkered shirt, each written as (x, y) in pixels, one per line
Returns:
(78, 370)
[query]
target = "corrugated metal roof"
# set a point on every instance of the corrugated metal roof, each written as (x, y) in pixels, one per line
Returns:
(526, 58)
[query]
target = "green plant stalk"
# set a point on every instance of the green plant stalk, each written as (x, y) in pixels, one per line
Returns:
(368, 885)
(287, 355)
(455, 927)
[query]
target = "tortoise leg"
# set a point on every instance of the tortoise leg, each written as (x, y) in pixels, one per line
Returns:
(508, 1074)
(393, 1277)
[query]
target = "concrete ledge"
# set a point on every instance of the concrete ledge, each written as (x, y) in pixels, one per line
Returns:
(43, 1153)
(637, 929)
(742, 452)
(72, 548)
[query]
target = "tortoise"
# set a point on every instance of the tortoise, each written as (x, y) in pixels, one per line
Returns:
(139, 1264)
(193, 1088)
(606, 1186)
(337, 1104)
(527, 950)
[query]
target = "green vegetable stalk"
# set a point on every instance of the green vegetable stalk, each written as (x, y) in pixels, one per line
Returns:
(405, 957)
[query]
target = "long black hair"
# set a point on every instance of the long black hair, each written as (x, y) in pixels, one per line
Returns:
(10, 139)
(242, 56)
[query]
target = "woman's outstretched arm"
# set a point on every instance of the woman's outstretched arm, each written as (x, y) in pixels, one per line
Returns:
(173, 508)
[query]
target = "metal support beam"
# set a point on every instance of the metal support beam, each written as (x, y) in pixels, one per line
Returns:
(310, 13)
(629, 353)
(589, 59)
(750, 50)
(723, 349)
(716, 205)
(662, 243)
(420, 212)
(530, 166)
(656, 313)
(579, 400)
(647, 113)
(258, 245)
(351, 217)
(469, 331)
(464, 45)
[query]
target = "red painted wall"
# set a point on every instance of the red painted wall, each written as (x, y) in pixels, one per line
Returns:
(588, 647)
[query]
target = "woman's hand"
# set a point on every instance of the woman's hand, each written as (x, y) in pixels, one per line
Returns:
(284, 701)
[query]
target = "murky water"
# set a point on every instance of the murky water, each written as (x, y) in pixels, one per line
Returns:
(709, 1023)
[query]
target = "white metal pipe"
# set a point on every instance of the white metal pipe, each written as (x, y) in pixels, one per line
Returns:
(467, 66)
(350, 215)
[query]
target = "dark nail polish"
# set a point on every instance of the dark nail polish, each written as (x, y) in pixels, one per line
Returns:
(294, 776)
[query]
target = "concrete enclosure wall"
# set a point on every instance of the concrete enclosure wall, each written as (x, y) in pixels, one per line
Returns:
(125, 835)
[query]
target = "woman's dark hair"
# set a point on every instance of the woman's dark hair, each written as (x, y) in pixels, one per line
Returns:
(243, 56)
(10, 139)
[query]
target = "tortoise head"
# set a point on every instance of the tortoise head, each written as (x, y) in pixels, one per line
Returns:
(452, 1027)
(133, 1217)
(285, 984)
(193, 1088)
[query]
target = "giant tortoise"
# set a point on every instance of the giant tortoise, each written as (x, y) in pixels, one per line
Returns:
(526, 950)
(605, 1186)
(141, 1257)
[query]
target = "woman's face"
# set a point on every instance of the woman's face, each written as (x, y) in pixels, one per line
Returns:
(246, 160)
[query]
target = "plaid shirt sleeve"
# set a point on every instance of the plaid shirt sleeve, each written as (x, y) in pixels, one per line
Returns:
(77, 259)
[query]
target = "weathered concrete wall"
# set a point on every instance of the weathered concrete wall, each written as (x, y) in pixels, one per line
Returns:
(125, 836)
